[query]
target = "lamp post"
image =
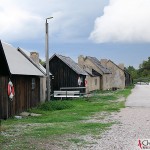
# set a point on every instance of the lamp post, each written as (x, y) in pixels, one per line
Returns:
(48, 79)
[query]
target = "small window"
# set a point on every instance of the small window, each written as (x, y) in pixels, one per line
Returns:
(33, 83)
(95, 81)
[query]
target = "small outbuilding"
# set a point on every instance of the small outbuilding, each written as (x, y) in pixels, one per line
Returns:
(25, 77)
(66, 73)
(128, 78)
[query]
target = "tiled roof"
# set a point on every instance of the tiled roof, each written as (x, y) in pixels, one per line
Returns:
(69, 62)
(99, 65)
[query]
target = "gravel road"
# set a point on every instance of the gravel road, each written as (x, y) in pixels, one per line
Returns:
(140, 96)
(133, 124)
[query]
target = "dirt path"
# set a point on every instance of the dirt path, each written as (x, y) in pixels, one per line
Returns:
(133, 124)
(140, 96)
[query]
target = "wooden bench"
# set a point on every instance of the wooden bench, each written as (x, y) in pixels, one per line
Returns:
(66, 93)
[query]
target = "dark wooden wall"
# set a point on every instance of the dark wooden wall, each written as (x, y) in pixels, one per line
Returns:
(25, 97)
(128, 79)
(64, 76)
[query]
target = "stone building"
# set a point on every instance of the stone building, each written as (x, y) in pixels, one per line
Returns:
(117, 78)
(99, 76)
(93, 80)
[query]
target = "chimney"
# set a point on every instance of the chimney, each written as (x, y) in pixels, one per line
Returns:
(81, 61)
(35, 57)
(121, 66)
(104, 62)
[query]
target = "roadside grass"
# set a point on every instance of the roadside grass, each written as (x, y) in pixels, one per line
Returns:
(68, 128)
(61, 118)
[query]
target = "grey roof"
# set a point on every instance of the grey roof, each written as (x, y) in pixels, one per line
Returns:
(88, 71)
(92, 72)
(99, 65)
(18, 64)
(69, 62)
(27, 55)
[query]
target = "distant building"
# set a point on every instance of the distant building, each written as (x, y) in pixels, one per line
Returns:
(99, 76)
(128, 78)
(93, 80)
(117, 78)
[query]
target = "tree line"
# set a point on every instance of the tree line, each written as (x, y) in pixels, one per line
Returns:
(142, 73)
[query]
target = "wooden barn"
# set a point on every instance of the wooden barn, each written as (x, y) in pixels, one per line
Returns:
(25, 77)
(66, 73)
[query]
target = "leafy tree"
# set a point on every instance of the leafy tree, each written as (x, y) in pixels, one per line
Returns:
(132, 71)
(142, 72)
(144, 68)
(42, 62)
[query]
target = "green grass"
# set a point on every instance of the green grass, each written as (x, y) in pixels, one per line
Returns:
(68, 128)
(55, 105)
(61, 118)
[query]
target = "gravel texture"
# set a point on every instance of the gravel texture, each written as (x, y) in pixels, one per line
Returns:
(140, 96)
(132, 124)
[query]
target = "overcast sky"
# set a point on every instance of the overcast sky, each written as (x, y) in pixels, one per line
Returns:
(113, 29)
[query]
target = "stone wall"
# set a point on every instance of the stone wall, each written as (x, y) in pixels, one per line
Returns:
(93, 83)
(104, 81)
(117, 78)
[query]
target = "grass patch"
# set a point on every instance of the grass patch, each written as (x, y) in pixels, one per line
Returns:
(62, 117)
(55, 105)
(125, 92)
(69, 128)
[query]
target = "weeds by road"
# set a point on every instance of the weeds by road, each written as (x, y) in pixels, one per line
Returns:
(62, 122)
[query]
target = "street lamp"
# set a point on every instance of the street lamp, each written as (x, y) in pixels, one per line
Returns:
(48, 79)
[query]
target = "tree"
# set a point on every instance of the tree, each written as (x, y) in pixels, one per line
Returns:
(144, 68)
(42, 62)
(133, 72)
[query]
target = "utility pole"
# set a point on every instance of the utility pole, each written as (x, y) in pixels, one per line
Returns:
(48, 79)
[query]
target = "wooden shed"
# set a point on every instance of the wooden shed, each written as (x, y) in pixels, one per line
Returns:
(128, 78)
(25, 77)
(66, 73)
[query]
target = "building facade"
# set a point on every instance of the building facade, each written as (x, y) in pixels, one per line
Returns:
(103, 78)
(25, 77)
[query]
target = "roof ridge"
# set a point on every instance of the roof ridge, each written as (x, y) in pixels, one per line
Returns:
(98, 64)
(72, 64)
(116, 65)
(24, 54)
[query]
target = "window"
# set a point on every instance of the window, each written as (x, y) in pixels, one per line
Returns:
(95, 81)
(33, 83)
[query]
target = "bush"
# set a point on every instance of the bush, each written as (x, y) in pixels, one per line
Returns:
(55, 105)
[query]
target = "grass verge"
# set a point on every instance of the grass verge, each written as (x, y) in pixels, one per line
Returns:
(60, 118)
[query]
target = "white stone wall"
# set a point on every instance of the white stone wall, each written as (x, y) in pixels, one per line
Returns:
(93, 83)
(117, 76)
